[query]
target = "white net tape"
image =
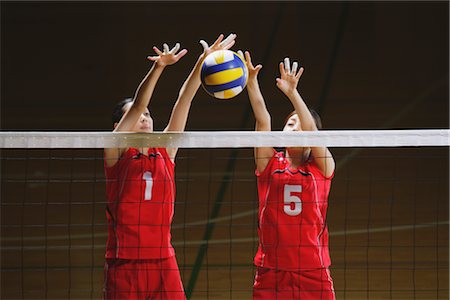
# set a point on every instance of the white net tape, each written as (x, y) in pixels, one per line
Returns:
(227, 139)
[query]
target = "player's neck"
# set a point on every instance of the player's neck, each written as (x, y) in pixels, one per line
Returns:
(297, 157)
(142, 150)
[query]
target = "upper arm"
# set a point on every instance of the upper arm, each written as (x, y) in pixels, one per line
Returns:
(263, 154)
(324, 160)
(178, 116)
(111, 156)
(172, 152)
(180, 111)
(177, 122)
(130, 117)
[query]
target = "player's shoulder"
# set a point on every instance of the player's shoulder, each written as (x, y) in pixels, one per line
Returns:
(314, 168)
(277, 156)
(114, 156)
(160, 151)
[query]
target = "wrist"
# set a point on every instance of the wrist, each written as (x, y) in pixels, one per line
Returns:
(252, 81)
(201, 59)
(292, 93)
(159, 66)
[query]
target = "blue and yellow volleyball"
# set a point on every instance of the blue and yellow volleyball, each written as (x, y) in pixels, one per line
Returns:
(224, 74)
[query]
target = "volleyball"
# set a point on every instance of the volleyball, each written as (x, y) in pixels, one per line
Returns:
(224, 74)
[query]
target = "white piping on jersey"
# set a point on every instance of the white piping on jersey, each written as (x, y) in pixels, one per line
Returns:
(120, 193)
(319, 213)
(171, 184)
(260, 221)
(330, 280)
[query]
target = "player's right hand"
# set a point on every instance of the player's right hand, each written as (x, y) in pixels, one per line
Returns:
(219, 44)
(167, 57)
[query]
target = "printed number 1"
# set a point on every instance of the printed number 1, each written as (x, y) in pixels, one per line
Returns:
(148, 185)
(289, 199)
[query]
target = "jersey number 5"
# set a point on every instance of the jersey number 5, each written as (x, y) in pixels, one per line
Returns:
(292, 203)
(148, 185)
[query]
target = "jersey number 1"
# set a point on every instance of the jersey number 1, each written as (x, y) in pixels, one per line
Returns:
(148, 185)
(292, 203)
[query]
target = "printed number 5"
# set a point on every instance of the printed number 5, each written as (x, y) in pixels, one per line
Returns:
(289, 199)
(148, 185)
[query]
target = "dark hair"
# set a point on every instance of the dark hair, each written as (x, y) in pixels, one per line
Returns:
(118, 110)
(314, 114)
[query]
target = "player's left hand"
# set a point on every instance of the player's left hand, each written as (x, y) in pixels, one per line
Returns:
(252, 70)
(167, 57)
(289, 77)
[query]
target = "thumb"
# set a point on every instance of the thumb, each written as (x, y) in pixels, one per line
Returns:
(204, 44)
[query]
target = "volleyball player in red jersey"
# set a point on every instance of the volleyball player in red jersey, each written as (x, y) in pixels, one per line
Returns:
(292, 258)
(140, 187)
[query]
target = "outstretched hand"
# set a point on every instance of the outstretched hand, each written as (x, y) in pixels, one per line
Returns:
(219, 44)
(167, 57)
(289, 78)
(252, 70)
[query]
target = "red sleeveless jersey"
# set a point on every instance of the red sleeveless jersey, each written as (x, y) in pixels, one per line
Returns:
(292, 230)
(141, 194)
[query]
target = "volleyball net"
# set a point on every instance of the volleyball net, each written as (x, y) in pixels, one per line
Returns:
(388, 213)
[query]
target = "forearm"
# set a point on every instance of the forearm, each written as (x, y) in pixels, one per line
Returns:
(302, 110)
(180, 111)
(192, 83)
(145, 89)
(262, 116)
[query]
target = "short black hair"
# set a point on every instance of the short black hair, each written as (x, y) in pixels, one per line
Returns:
(317, 118)
(118, 110)
(314, 114)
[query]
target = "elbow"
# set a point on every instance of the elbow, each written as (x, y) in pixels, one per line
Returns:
(263, 124)
(264, 120)
(268, 119)
(309, 126)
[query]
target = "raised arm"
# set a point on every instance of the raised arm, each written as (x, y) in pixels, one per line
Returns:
(145, 89)
(143, 94)
(262, 116)
(180, 111)
(288, 83)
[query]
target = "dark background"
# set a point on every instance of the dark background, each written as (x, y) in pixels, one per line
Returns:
(367, 65)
